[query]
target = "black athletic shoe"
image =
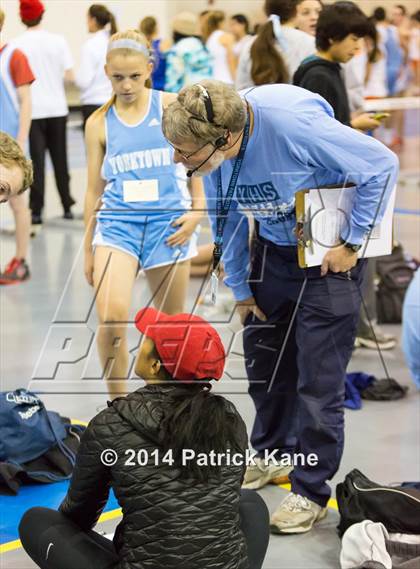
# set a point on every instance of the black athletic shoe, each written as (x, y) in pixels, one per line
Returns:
(68, 214)
(36, 224)
(36, 219)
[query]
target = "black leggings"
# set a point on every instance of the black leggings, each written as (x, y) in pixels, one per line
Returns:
(55, 542)
(49, 134)
(88, 110)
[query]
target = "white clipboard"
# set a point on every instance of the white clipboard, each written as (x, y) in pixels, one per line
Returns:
(323, 215)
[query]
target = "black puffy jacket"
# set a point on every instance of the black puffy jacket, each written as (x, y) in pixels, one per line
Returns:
(169, 521)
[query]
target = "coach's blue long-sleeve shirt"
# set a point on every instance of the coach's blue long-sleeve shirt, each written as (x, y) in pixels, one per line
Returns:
(296, 143)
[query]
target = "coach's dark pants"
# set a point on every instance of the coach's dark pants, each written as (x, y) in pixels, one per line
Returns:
(49, 134)
(298, 385)
(53, 541)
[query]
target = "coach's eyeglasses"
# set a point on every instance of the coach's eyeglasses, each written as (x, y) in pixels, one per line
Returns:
(187, 156)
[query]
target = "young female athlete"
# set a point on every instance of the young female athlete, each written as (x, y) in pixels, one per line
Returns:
(146, 217)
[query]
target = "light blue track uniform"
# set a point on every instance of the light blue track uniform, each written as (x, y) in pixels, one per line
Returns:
(410, 328)
(145, 190)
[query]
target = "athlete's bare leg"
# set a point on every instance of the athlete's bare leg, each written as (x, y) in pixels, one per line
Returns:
(169, 286)
(114, 276)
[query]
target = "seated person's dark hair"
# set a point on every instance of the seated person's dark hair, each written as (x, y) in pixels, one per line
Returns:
(337, 21)
(191, 409)
(379, 14)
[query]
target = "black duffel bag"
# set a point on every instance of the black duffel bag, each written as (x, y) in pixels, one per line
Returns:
(395, 274)
(359, 499)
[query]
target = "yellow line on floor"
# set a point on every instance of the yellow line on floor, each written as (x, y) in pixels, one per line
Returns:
(10, 546)
(77, 422)
(110, 515)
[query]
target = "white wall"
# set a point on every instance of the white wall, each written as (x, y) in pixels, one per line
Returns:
(68, 17)
(251, 8)
(254, 8)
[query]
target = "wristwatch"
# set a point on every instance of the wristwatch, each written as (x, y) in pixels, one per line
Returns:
(352, 246)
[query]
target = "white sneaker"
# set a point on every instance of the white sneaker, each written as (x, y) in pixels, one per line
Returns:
(260, 474)
(296, 514)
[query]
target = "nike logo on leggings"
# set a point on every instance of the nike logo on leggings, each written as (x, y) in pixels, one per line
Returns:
(48, 550)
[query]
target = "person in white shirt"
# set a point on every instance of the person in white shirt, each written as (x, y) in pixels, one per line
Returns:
(375, 76)
(307, 14)
(239, 28)
(220, 45)
(51, 61)
(95, 87)
(277, 51)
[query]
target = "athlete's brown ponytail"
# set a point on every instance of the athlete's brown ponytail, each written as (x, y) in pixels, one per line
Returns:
(268, 66)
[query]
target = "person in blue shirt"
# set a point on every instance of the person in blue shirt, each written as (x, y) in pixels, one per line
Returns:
(299, 323)
(411, 328)
(149, 27)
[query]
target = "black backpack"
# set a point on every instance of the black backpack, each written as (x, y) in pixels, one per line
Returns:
(395, 274)
(359, 499)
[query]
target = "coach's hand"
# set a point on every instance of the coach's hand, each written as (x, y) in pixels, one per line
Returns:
(187, 224)
(248, 305)
(338, 260)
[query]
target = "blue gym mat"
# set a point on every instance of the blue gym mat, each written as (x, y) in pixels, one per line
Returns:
(12, 508)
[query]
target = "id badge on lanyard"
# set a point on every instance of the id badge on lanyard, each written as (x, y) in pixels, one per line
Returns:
(222, 210)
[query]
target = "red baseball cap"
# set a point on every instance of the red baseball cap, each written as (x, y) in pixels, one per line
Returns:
(189, 346)
(31, 9)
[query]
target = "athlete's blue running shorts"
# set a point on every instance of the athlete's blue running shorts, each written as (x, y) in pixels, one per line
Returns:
(146, 241)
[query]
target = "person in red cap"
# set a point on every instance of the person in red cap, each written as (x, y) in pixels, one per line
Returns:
(51, 61)
(175, 455)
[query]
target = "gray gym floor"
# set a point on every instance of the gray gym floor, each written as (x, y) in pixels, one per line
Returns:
(50, 319)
